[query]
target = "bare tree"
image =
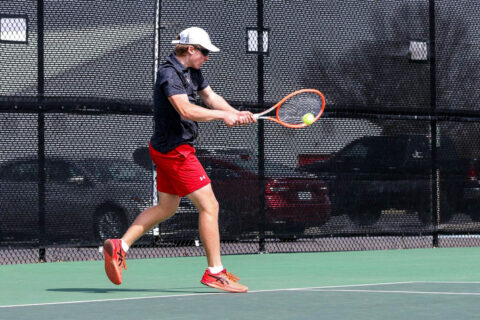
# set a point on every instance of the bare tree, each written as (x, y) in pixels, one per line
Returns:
(380, 74)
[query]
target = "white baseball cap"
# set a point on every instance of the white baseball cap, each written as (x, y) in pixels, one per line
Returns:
(195, 35)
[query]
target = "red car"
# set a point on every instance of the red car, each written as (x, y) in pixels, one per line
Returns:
(293, 201)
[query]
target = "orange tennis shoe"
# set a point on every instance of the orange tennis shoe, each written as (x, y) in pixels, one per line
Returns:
(224, 281)
(114, 260)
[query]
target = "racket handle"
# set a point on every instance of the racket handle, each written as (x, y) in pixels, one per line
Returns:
(256, 116)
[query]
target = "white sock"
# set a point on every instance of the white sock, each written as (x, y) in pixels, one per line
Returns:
(125, 246)
(215, 270)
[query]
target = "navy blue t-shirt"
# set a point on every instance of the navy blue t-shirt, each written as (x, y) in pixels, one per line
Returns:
(171, 130)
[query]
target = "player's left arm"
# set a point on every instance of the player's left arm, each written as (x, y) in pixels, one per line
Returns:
(217, 102)
(214, 100)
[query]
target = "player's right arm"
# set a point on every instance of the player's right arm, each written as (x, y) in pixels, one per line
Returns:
(193, 112)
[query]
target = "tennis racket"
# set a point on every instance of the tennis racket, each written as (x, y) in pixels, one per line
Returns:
(289, 111)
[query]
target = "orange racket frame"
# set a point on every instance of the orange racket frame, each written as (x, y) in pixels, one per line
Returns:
(277, 106)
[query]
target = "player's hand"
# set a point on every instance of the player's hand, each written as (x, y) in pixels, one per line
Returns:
(231, 119)
(245, 117)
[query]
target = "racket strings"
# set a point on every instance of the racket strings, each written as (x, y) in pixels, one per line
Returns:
(294, 108)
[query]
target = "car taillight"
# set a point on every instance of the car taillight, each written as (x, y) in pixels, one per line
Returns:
(275, 194)
(472, 174)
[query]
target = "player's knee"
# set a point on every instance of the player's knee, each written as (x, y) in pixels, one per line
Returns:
(164, 212)
(211, 209)
(216, 206)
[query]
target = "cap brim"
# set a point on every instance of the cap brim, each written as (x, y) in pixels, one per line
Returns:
(211, 48)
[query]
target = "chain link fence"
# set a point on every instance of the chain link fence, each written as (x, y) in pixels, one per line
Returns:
(391, 164)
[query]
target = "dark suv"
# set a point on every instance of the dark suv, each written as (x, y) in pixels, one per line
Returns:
(376, 173)
(85, 200)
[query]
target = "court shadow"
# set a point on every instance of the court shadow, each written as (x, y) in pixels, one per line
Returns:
(107, 290)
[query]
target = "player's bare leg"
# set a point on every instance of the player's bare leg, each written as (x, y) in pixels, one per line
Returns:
(115, 250)
(207, 205)
(167, 206)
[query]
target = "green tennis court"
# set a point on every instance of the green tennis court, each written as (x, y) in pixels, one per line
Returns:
(396, 284)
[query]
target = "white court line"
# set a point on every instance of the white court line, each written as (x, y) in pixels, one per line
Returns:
(450, 282)
(194, 294)
(404, 292)
(321, 289)
(409, 291)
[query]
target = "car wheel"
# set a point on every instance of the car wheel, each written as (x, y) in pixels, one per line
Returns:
(288, 231)
(447, 210)
(425, 217)
(365, 216)
(473, 210)
(230, 226)
(110, 223)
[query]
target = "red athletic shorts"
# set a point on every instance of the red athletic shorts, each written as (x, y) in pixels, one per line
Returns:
(179, 171)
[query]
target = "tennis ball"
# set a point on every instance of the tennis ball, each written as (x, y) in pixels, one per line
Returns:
(308, 118)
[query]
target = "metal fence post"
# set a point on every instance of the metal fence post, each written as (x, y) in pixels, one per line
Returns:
(433, 126)
(261, 131)
(41, 131)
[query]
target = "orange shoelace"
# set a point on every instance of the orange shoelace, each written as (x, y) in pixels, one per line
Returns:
(232, 277)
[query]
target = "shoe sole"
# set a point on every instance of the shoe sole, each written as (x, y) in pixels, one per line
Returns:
(211, 285)
(110, 267)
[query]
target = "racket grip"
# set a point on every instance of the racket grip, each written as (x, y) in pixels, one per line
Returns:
(256, 116)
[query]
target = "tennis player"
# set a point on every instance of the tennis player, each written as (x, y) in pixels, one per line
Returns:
(179, 173)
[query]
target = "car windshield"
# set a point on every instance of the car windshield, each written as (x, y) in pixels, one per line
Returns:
(251, 165)
(115, 170)
(384, 151)
(246, 160)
